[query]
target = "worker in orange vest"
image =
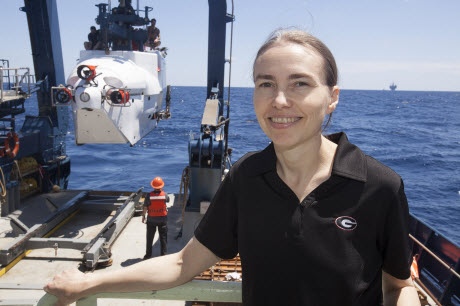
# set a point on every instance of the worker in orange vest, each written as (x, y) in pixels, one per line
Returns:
(157, 216)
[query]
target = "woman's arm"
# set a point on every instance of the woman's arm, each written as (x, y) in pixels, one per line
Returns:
(399, 291)
(154, 274)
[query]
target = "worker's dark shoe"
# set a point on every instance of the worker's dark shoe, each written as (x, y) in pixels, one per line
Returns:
(147, 256)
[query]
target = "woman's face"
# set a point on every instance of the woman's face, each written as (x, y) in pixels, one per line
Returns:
(291, 97)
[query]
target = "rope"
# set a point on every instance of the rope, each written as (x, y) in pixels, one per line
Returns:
(58, 172)
(229, 86)
(18, 169)
(183, 191)
(3, 185)
(185, 182)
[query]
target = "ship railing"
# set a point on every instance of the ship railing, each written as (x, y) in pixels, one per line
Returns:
(21, 83)
(196, 290)
(438, 261)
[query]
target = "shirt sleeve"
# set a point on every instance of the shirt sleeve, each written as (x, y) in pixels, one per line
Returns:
(147, 200)
(396, 253)
(218, 229)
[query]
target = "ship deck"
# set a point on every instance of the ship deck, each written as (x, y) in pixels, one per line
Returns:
(21, 283)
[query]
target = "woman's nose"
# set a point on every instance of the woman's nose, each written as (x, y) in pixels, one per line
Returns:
(280, 100)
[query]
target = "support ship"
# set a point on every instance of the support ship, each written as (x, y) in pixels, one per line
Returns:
(118, 95)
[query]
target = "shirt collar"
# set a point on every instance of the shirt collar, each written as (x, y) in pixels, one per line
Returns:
(349, 160)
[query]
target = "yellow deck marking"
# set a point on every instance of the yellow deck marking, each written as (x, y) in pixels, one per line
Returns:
(14, 262)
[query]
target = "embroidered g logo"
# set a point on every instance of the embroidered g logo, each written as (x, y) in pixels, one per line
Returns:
(346, 223)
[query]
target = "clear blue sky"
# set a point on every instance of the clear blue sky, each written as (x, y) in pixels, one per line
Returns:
(416, 44)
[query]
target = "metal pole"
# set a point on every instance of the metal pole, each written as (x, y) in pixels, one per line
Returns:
(1, 84)
(229, 87)
(7, 66)
(28, 80)
(419, 282)
(16, 82)
(436, 257)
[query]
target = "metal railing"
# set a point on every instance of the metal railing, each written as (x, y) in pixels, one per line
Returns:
(196, 290)
(438, 261)
(21, 83)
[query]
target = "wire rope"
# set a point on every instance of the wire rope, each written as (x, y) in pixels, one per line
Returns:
(229, 87)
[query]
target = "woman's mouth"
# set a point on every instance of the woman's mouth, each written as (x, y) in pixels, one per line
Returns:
(284, 120)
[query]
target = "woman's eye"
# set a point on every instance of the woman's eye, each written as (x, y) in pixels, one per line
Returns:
(300, 84)
(265, 84)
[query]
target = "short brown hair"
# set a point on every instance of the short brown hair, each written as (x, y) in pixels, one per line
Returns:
(302, 38)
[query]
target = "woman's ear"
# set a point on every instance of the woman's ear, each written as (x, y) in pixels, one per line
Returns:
(334, 99)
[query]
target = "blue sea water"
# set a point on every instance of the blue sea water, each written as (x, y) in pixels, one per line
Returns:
(415, 133)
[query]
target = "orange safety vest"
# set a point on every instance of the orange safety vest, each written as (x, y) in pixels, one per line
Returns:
(414, 269)
(157, 206)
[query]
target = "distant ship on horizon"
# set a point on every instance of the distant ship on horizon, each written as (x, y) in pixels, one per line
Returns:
(393, 86)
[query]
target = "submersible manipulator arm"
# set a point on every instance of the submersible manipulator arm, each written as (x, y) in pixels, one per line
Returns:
(208, 153)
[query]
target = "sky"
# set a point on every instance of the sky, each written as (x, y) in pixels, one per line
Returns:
(414, 43)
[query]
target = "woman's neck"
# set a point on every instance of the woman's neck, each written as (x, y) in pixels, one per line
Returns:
(305, 167)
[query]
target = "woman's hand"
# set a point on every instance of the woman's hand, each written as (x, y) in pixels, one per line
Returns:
(68, 286)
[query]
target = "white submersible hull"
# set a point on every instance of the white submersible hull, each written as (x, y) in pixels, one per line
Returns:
(117, 95)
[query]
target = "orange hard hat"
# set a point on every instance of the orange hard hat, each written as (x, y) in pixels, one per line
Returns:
(157, 183)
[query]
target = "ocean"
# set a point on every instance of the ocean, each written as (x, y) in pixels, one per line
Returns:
(417, 134)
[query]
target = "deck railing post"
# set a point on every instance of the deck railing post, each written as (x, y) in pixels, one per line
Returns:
(1, 84)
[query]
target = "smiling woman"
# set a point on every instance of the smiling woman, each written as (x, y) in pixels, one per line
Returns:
(329, 221)
(315, 220)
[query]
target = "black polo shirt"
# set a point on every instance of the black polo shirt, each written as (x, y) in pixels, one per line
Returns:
(329, 249)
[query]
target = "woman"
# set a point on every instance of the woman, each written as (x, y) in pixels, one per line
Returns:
(316, 222)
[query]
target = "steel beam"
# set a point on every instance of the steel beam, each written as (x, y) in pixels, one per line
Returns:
(45, 40)
(61, 243)
(218, 19)
(99, 247)
(17, 225)
(18, 246)
(100, 205)
(95, 253)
